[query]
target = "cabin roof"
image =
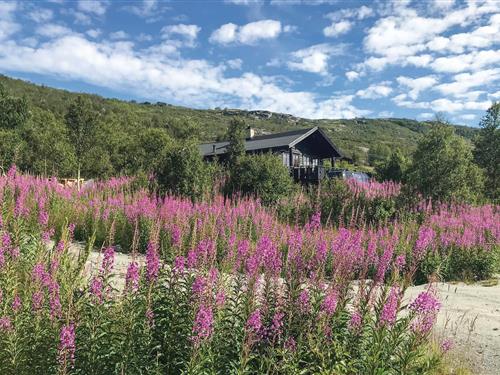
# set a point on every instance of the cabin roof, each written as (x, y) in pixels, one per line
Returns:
(267, 142)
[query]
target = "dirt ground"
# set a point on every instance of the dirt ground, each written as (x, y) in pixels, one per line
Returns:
(469, 316)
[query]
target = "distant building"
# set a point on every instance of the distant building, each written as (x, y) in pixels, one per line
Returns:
(303, 151)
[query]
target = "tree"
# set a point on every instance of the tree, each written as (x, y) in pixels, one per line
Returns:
(393, 169)
(49, 150)
(442, 167)
(183, 171)
(236, 138)
(264, 176)
(487, 150)
(81, 120)
(377, 154)
(14, 112)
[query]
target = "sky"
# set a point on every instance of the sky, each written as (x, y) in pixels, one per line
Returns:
(312, 59)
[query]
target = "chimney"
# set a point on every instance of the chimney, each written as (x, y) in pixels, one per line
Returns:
(250, 132)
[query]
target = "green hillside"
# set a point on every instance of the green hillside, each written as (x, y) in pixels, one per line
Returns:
(123, 120)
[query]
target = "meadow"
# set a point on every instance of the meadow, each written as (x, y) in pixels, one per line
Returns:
(227, 286)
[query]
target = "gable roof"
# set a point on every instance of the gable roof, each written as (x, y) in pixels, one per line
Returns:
(266, 142)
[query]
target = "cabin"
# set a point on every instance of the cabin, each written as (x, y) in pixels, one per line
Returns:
(302, 151)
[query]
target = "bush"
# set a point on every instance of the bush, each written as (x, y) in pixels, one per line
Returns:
(263, 176)
(182, 171)
(442, 167)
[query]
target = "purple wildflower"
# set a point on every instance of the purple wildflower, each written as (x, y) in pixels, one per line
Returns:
(37, 300)
(132, 277)
(254, 322)
(425, 306)
(390, 309)
(355, 322)
(329, 304)
(16, 303)
(5, 324)
(152, 261)
(304, 301)
(108, 260)
(96, 288)
(203, 324)
(179, 264)
(67, 345)
(446, 345)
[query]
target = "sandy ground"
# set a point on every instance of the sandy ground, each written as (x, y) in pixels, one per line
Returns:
(470, 315)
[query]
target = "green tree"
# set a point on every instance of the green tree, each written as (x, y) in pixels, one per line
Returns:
(49, 151)
(377, 154)
(11, 148)
(393, 169)
(81, 120)
(263, 175)
(14, 112)
(183, 171)
(487, 150)
(236, 138)
(442, 167)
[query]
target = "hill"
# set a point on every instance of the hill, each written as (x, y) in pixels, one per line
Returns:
(353, 136)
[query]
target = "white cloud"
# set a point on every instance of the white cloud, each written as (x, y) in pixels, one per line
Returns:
(246, 34)
(41, 15)
(468, 116)
(470, 61)
(351, 13)
(93, 33)
(93, 6)
(386, 114)
(235, 63)
(443, 4)
(416, 85)
(8, 26)
(187, 32)
(244, 2)
(375, 91)
(404, 34)
(52, 30)
(425, 115)
(145, 73)
(352, 75)
(337, 28)
(146, 9)
(465, 81)
(118, 35)
(314, 59)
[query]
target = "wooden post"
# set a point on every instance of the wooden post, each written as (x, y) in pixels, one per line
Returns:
(291, 157)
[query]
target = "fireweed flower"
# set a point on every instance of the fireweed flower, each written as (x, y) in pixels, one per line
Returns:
(400, 262)
(132, 277)
(152, 261)
(356, 321)
(425, 306)
(108, 260)
(254, 323)
(203, 324)
(220, 299)
(179, 264)
(54, 300)
(425, 238)
(5, 324)
(446, 345)
(304, 301)
(67, 345)
(16, 303)
(37, 300)
(390, 309)
(199, 285)
(96, 288)
(329, 304)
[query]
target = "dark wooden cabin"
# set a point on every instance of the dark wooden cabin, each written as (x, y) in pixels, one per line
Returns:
(303, 151)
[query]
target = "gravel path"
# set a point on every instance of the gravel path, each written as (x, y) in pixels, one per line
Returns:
(470, 315)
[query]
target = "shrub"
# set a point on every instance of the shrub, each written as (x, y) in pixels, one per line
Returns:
(263, 176)
(183, 171)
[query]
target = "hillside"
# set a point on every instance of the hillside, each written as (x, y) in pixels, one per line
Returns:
(353, 135)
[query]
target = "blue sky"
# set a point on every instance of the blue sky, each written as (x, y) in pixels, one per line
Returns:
(314, 59)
